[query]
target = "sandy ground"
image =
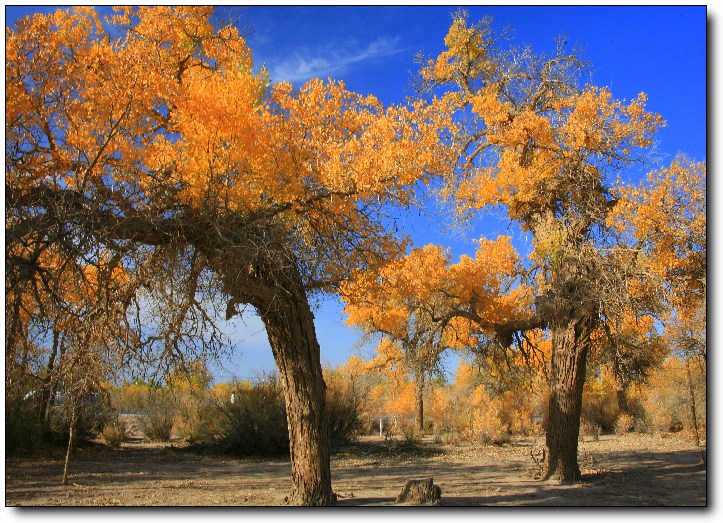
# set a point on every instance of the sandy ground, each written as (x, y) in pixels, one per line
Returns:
(630, 470)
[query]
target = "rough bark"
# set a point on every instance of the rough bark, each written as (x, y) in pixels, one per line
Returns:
(289, 324)
(12, 333)
(570, 342)
(621, 396)
(420, 491)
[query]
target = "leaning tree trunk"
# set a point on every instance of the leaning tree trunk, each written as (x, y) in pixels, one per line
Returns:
(271, 282)
(419, 382)
(570, 340)
(289, 324)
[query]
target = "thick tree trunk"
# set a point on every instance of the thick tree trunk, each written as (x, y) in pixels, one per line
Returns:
(419, 382)
(270, 281)
(569, 354)
(290, 326)
(621, 389)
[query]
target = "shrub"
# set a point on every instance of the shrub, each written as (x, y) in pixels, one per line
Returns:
(641, 425)
(95, 411)
(515, 412)
(344, 410)
(255, 423)
(157, 424)
(624, 424)
(599, 404)
(666, 398)
(410, 434)
(489, 426)
(495, 438)
(131, 397)
(450, 438)
(590, 428)
(197, 413)
(24, 430)
(114, 433)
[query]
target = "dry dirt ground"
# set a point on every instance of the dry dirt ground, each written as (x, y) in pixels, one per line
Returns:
(630, 470)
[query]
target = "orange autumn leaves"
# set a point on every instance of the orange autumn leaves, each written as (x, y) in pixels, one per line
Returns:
(665, 218)
(467, 50)
(63, 292)
(545, 154)
(541, 135)
(163, 109)
(157, 108)
(667, 215)
(425, 286)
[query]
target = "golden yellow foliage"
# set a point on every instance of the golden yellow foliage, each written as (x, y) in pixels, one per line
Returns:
(666, 216)
(425, 282)
(546, 141)
(170, 116)
(666, 397)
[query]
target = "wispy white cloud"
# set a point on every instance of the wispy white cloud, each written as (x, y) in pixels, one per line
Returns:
(331, 60)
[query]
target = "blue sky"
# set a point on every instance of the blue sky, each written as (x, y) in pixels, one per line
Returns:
(660, 50)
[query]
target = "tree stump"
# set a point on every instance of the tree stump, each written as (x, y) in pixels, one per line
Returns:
(420, 491)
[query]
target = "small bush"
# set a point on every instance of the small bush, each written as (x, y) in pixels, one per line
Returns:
(410, 434)
(450, 438)
(590, 429)
(599, 405)
(624, 424)
(489, 426)
(24, 431)
(157, 424)
(641, 425)
(344, 411)
(256, 422)
(196, 416)
(114, 433)
(95, 411)
(676, 425)
(494, 437)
